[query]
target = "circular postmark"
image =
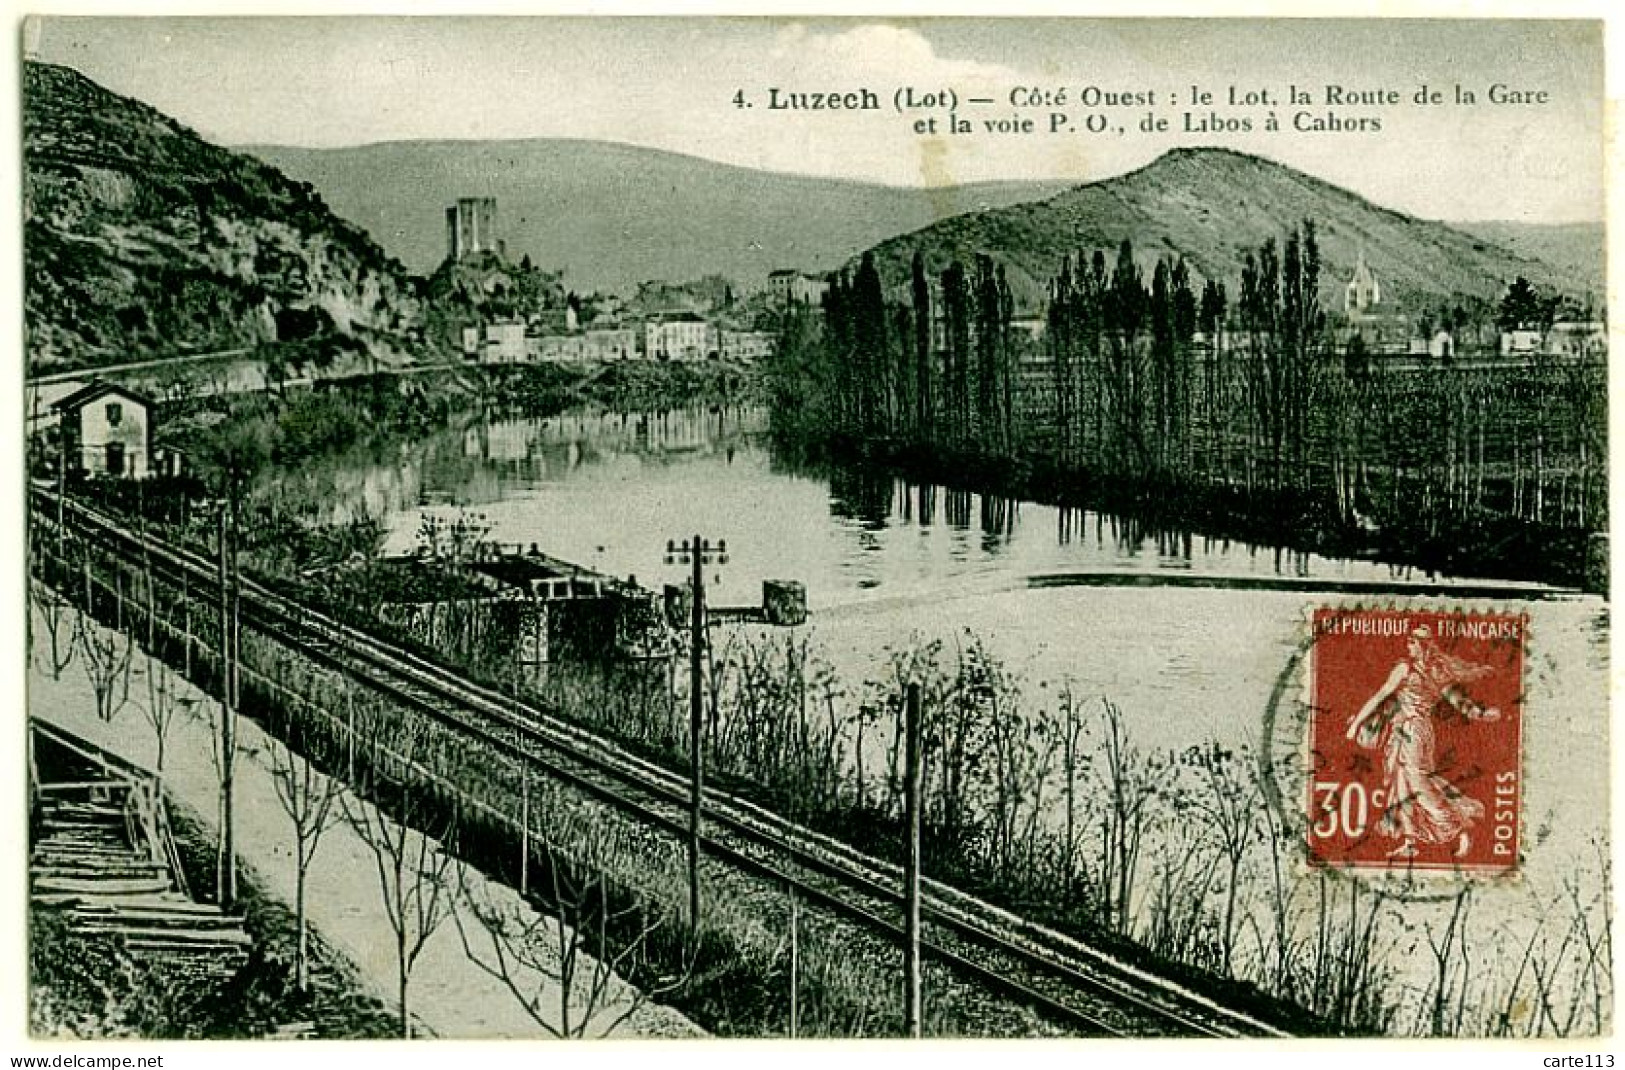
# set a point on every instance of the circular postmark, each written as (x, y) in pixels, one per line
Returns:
(1392, 746)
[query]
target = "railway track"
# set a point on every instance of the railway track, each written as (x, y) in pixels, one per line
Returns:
(1061, 978)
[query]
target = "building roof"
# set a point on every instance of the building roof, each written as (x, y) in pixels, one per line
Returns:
(98, 388)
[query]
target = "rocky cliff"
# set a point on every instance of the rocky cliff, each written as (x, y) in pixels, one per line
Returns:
(142, 240)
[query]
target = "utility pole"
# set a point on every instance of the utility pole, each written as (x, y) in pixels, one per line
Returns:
(795, 961)
(524, 830)
(911, 865)
(697, 553)
(696, 736)
(227, 874)
(62, 489)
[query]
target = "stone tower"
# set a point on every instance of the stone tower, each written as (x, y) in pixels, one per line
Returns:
(471, 227)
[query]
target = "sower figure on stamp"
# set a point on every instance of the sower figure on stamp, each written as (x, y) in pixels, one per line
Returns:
(1422, 806)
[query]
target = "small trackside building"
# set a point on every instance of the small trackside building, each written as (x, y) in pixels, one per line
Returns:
(107, 431)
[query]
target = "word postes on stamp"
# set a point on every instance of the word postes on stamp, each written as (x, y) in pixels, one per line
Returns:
(1415, 740)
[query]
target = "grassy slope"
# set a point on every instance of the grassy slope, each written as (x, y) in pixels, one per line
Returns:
(1579, 249)
(1211, 206)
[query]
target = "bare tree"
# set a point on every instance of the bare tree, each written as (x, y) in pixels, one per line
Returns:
(1572, 979)
(1449, 960)
(1227, 801)
(567, 964)
(1130, 782)
(1593, 972)
(164, 702)
(1073, 761)
(1184, 870)
(106, 654)
(1281, 956)
(413, 869)
(307, 798)
(62, 624)
(1347, 978)
(223, 751)
(164, 699)
(61, 627)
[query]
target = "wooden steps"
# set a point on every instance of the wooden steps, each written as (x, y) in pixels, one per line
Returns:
(179, 939)
(202, 919)
(84, 864)
(135, 874)
(101, 887)
(167, 904)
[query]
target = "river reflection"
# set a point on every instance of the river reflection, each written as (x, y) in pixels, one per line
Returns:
(607, 489)
(887, 561)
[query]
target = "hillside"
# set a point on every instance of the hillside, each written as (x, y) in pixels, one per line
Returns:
(1580, 250)
(142, 240)
(1211, 206)
(611, 216)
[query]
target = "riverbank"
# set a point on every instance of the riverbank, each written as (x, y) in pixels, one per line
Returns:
(633, 386)
(253, 433)
(1505, 549)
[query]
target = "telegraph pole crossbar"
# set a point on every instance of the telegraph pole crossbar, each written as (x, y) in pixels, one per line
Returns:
(698, 553)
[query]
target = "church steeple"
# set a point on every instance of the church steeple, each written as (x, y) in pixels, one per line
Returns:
(1363, 292)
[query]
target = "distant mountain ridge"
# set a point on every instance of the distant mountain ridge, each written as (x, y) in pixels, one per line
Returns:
(612, 215)
(143, 240)
(1212, 206)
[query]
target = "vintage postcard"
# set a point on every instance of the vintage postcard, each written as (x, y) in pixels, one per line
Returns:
(608, 527)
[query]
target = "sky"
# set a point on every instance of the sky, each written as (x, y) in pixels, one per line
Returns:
(672, 84)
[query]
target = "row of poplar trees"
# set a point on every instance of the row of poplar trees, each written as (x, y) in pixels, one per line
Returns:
(1149, 377)
(1158, 380)
(900, 371)
(1156, 384)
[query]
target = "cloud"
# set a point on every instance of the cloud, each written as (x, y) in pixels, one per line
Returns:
(883, 53)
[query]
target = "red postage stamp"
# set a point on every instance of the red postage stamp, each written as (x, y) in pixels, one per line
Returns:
(1415, 740)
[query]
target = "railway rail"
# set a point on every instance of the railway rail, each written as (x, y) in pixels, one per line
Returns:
(1061, 978)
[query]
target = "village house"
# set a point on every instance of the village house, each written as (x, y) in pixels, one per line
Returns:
(795, 287)
(1569, 339)
(682, 336)
(602, 345)
(745, 347)
(1576, 338)
(1521, 343)
(496, 343)
(1440, 346)
(106, 431)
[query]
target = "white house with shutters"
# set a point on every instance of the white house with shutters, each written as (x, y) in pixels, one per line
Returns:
(683, 336)
(107, 431)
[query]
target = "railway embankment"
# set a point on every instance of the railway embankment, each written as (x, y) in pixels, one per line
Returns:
(793, 943)
(351, 987)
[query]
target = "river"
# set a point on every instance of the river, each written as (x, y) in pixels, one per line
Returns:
(885, 560)
(887, 563)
